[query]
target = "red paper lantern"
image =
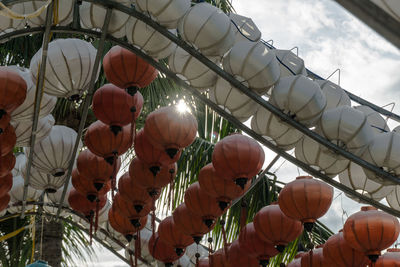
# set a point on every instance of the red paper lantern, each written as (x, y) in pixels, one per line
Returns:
(219, 259)
(170, 233)
(86, 186)
(273, 226)
(238, 158)
(81, 204)
(8, 140)
(201, 204)
(126, 70)
(371, 231)
(315, 258)
(6, 182)
(12, 90)
(4, 121)
(295, 263)
(223, 190)
(130, 190)
(305, 199)
(169, 129)
(123, 225)
(115, 107)
(4, 200)
(162, 251)
(390, 259)
(7, 163)
(237, 257)
(132, 209)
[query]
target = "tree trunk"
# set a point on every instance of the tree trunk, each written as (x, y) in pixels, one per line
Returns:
(51, 249)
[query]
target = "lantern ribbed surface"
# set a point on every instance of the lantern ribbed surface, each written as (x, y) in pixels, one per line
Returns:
(170, 233)
(390, 259)
(334, 94)
(290, 63)
(162, 251)
(244, 28)
(23, 130)
(375, 120)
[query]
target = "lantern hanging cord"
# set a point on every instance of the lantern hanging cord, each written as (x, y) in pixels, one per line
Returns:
(41, 238)
(7, 12)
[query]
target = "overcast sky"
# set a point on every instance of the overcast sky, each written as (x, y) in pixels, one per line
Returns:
(328, 38)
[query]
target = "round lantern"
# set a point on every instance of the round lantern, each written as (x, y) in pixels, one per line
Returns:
(338, 253)
(87, 185)
(198, 202)
(236, 257)
(152, 42)
(115, 107)
(17, 191)
(7, 163)
(4, 201)
(390, 258)
(12, 90)
(55, 199)
(118, 236)
(300, 97)
(6, 183)
(93, 17)
(374, 119)
(244, 28)
(371, 231)
(232, 100)
(8, 24)
(53, 154)
(191, 70)
(4, 121)
(252, 244)
(190, 224)
(63, 9)
(43, 181)
(275, 130)
(8, 140)
(132, 211)
(123, 225)
(166, 12)
(238, 158)
(19, 163)
(254, 64)
(290, 63)
(132, 192)
(334, 94)
(170, 234)
(26, 110)
(223, 190)
(347, 128)
(125, 69)
(208, 29)
(161, 251)
(310, 152)
(218, 259)
(23, 130)
(69, 67)
(170, 129)
(354, 177)
(315, 258)
(273, 226)
(305, 199)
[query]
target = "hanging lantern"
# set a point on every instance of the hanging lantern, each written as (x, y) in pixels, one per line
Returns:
(347, 128)
(152, 156)
(254, 246)
(191, 70)
(232, 100)
(244, 28)
(371, 231)
(4, 122)
(115, 107)
(7, 163)
(125, 69)
(238, 158)
(6, 183)
(170, 234)
(166, 12)
(87, 185)
(132, 211)
(290, 63)
(53, 154)
(190, 224)
(63, 9)
(151, 41)
(236, 257)
(208, 28)
(23, 130)
(25, 111)
(81, 204)
(200, 203)
(17, 194)
(132, 192)
(374, 119)
(170, 129)
(305, 199)
(334, 94)
(39, 263)
(70, 63)
(55, 198)
(161, 251)
(116, 235)
(4, 200)
(338, 253)
(43, 181)
(312, 153)
(93, 17)
(223, 190)
(274, 130)
(273, 226)
(253, 64)
(12, 90)
(102, 142)
(145, 236)
(219, 258)
(315, 258)
(123, 225)
(102, 216)
(295, 263)
(19, 163)
(299, 97)
(390, 259)
(8, 140)
(8, 24)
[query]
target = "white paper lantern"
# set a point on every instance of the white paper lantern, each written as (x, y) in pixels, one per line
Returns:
(244, 28)
(207, 28)
(375, 120)
(93, 16)
(355, 178)
(275, 130)
(23, 130)
(25, 111)
(145, 37)
(17, 194)
(69, 67)
(8, 24)
(299, 97)
(166, 12)
(191, 70)
(396, 129)
(43, 181)
(393, 199)
(290, 63)
(20, 160)
(232, 100)
(383, 152)
(346, 127)
(335, 95)
(55, 199)
(65, 10)
(254, 64)
(3, 212)
(53, 154)
(310, 152)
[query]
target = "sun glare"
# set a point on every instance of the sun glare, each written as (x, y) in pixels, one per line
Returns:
(182, 107)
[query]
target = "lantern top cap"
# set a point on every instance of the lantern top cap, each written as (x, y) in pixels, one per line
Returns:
(304, 177)
(367, 208)
(393, 250)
